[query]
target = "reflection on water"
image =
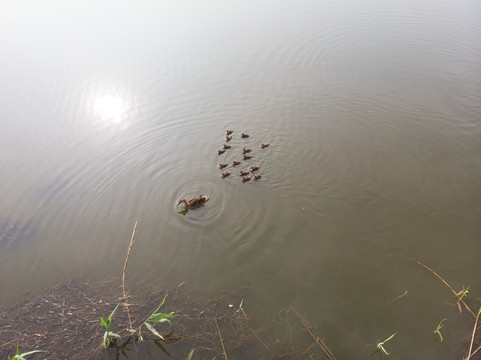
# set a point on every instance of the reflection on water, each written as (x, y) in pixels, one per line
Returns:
(114, 111)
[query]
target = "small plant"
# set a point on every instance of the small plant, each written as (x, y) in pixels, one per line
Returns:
(241, 308)
(189, 357)
(108, 334)
(19, 356)
(380, 346)
(440, 325)
(156, 317)
(464, 292)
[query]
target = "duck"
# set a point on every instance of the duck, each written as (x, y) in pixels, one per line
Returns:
(223, 165)
(264, 145)
(246, 150)
(193, 203)
(244, 173)
(257, 177)
(227, 146)
(246, 178)
(225, 174)
(247, 157)
(244, 136)
(221, 151)
(228, 138)
(228, 132)
(236, 162)
(255, 168)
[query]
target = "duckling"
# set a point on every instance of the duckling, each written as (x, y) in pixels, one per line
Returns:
(246, 178)
(228, 138)
(223, 165)
(244, 136)
(246, 150)
(228, 132)
(193, 203)
(236, 162)
(227, 146)
(244, 173)
(225, 174)
(221, 151)
(247, 157)
(255, 168)
(257, 177)
(264, 145)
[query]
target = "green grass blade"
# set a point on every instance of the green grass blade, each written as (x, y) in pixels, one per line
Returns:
(112, 314)
(152, 329)
(114, 335)
(390, 338)
(189, 357)
(105, 342)
(104, 323)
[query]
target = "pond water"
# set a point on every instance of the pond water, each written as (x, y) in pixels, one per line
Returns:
(112, 111)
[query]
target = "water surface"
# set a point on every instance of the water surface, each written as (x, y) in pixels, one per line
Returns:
(112, 111)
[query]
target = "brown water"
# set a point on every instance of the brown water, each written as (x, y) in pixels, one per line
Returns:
(111, 111)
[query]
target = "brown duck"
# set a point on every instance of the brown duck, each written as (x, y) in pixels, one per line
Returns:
(223, 165)
(228, 132)
(236, 162)
(246, 150)
(247, 157)
(221, 151)
(193, 203)
(244, 173)
(255, 168)
(244, 136)
(225, 174)
(246, 178)
(257, 177)
(228, 138)
(264, 145)
(227, 146)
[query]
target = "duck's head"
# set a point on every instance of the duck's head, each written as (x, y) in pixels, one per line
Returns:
(182, 201)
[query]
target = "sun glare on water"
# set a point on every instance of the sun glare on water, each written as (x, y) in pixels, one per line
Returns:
(109, 108)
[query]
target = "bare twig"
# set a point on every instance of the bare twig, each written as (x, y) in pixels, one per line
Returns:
(472, 336)
(123, 276)
(221, 342)
(449, 286)
(311, 332)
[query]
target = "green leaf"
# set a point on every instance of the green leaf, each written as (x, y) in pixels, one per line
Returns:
(161, 317)
(389, 338)
(162, 303)
(104, 323)
(112, 314)
(189, 357)
(114, 335)
(106, 344)
(151, 328)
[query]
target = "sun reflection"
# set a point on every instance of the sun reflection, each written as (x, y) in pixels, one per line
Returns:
(109, 108)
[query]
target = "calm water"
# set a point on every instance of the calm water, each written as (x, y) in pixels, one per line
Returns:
(111, 111)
